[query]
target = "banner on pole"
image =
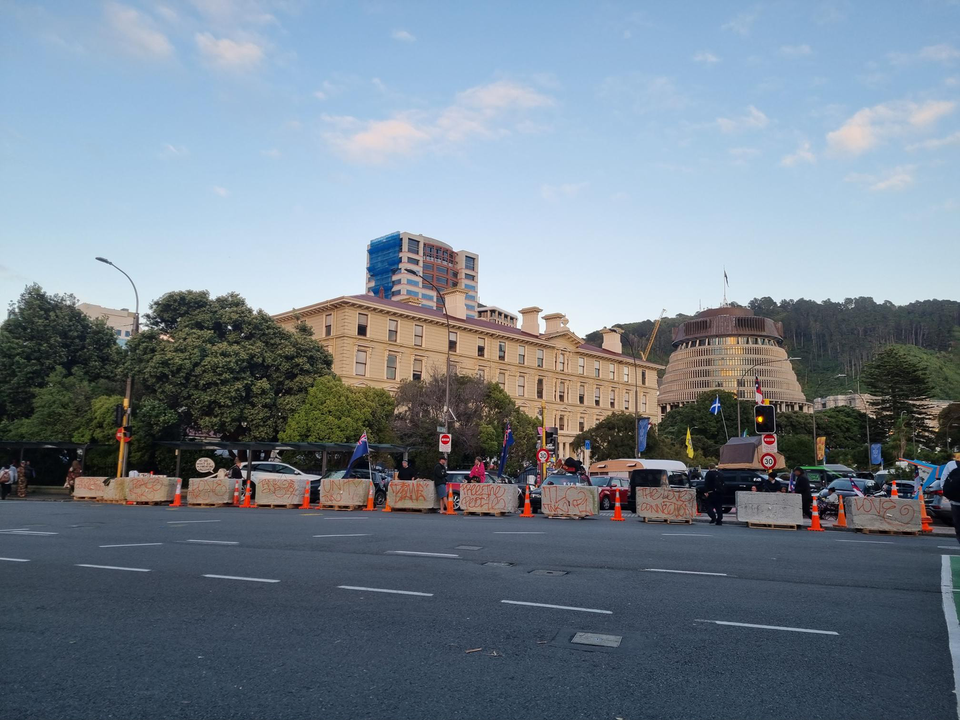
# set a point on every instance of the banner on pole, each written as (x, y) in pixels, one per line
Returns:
(643, 426)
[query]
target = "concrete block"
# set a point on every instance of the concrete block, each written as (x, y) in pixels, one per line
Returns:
(151, 488)
(340, 492)
(488, 497)
(569, 500)
(116, 490)
(88, 488)
(779, 508)
(665, 503)
(412, 494)
(210, 491)
(278, 489)
(880, 513)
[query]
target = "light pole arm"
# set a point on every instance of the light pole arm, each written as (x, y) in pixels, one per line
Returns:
(446, 316)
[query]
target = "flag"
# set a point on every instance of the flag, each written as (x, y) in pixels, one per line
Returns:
(715, 408)
(744, 432)
(757, 391)
(821, 448)
(791, 483)
(689, 444)
(876, 454)
(363, 448)
(858, 491)
(507, 442)
(643, 425)
(726, 280)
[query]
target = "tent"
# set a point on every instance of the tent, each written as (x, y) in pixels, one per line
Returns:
(743, 453)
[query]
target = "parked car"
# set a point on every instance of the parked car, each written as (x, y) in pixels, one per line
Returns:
(937, 505)
(820, 476)
(651, 478)
(864, 475)
(610, 487)
(555, 478)
(734, 481)
(381, 482)
(260, 468)
(456, 477)
(844, 487)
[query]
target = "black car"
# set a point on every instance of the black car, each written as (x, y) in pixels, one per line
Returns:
(844, 487)
(734, 481)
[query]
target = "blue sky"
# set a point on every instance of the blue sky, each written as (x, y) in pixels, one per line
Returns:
(606, 160)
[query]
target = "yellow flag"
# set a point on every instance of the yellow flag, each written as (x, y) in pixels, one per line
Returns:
(689, 444)
(821, 448)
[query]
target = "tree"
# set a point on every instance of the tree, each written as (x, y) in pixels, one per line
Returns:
(223, 368)
(611, 438)
(703, 424)
(46, 333)
(901, 385)
(334, 412)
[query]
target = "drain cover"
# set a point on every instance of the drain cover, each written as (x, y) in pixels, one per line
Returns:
(548, 572)
(500, 564)
(469, 547)
(596, 639)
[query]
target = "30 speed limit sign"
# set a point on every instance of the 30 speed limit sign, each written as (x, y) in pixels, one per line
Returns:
(543, 455)
(768, 461)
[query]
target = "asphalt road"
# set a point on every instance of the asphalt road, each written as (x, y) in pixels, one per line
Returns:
(147, 633)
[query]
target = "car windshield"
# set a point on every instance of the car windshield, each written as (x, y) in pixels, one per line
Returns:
(562, 480)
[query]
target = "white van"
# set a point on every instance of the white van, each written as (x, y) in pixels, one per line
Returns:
(623, 467)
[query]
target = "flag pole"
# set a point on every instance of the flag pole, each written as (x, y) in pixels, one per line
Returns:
(724, 424)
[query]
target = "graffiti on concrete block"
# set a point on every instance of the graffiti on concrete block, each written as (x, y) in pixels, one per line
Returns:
(488, 497)
(279, 490)
(412, 494)
(784, 508)
(150, 488)
(569, 500)
(210, 491)
(665, 503)
(344, 491)
(878, 513)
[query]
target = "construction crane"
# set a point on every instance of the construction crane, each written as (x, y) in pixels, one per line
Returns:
(653, 335)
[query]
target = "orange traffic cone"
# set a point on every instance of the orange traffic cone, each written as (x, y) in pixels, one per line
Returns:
(450, 509)
(925, 525)
(527, 510)
(306, 497)
(893, 491)
(370, 499)
(841, 515)
(236, 494)
(386, 502)
(246, 497)
(617, 512)
(815, 523)
(176, 498)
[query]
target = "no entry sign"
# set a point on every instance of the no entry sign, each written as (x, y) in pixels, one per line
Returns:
(770, 442)
(445, 442)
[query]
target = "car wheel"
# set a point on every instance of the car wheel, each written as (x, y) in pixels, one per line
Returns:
(456, 501)
(605, 504)
(379, 498)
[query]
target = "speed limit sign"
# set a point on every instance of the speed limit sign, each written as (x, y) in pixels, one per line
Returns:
(768, 461)
(543, 455)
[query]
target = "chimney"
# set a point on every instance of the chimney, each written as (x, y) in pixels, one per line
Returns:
(409, 300)
(611, 340)
(555, 322)
(531, 320)
(456, 302)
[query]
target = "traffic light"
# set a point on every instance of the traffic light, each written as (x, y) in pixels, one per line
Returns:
(118, 416)
(765, 419)
(551, 439)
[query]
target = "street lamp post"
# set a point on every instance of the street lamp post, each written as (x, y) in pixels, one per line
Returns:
(866, 411)
(443, 303)
(744, 374)
(124, 455)
(636, 394)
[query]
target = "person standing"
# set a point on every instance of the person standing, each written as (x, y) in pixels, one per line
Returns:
(4, 481)
(951, 474)
(405, 472)
(72, 474)
(713, 495)
(440, 479)
(478, 473)
(29, 473)
(771, 484)
(801, 486)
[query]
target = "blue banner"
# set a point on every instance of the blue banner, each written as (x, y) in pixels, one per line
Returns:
(643, 425)
(507, 442)
(876, 456)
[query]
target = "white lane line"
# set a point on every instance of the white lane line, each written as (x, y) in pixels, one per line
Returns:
(770, 627)
(237, 577)
(421, 554)
(384, 590)
(686, 534)
(132, 545)
(113, 567)
(949, 547)
(557, 607)
(684, 572)
(14, 560)
(346, 518)
(26, 532)
(953, 626)
(212, 542)
(872, 542)
(9, 529)
(518, 532)
(184, 522)
(346, 535)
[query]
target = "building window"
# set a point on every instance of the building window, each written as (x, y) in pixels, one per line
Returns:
(643, 377)
(521, 355)
(481, 346)
(583, 391)
(502, 379)
(428, 266)
(391, 367)
(561, 391)
(452, 341)
(561, 361)
(626, 374)
(413, 246)
(328, 325)
(481, 374)
(418, 335)
(596, 368)
(521, 386)
(596, 397)
(362, 324)
(626, 399)
(580, 365)
(392, 330)
(613, 399)
(561, 422)
(417, 369)
(441, 269)
(582, 425)
(539, 357)
(469, 262)
(643, 403)
(539, 388)
(502, 351)
(360, 366)
(613, 371)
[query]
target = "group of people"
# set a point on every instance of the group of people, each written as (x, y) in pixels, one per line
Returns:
(15, 475)
(713, 491)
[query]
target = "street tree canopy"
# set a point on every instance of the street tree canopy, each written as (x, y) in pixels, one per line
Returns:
(901, 385)
(334, 412)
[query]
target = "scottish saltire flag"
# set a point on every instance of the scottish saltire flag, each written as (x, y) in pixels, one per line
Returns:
(715, 408)
(643, 426)
(362, 449)
(507, 442)
(858, 491)
(757, 390)
(876, 454)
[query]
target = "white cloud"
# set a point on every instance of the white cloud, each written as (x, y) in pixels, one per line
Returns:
(272, 153)
(136, 33)
(898, 178)
(402, 36)
(936, 143)
(229, 54)
(742, 23)
(237, 13)
(753, 120)
(327, 90)
(869, 127)
(943, 53)
(486, 111)
(552, 193)
(795, 50)
(168, 14)
(644, 92)
(802, 155)
(221, 191)
(706, 57)
(174, 151)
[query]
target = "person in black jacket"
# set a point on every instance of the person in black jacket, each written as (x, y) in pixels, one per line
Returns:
(440, 479)
(405, 472)
(771, 484)
(713, 495)
(801, 486)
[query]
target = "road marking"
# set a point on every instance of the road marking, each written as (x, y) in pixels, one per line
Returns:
(113, 567)
(9, 529)
(346, 535)
(184, 522)
(212, 542)
(26, 532)
(237, 577)
(518, 532)
(770, 627)
(949, 547)
(346, 518)
(686, 534)
(132, 545)
(14, 560)
(684, 572)
(557, 607)
(873, 542)
(950, 617)
(384, 590)
(421, 554)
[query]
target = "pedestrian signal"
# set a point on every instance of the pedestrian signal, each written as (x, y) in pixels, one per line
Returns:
(551, 438)
(765, 419)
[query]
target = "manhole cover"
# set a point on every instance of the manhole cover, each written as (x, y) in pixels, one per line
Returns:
(499, 564)
(548, 572)
(597, 640)
(469, 547)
